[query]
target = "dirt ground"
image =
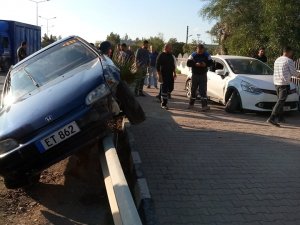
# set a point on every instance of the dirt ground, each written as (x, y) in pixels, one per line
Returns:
(70, 192)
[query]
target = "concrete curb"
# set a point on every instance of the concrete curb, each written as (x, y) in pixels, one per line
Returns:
(141, 192)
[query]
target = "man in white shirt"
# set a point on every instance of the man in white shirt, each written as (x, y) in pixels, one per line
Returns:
(284, 69)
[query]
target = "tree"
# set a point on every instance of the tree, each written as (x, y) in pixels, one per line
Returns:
(190, 48)
(243, 26)
(177, 46)
(49, 40)
(157, 42)
(113, 38)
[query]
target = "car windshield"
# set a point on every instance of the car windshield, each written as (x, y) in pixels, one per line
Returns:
(249, 66)
(47, 66)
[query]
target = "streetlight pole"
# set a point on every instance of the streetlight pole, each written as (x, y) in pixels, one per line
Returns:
(37, 9)
(47, 22)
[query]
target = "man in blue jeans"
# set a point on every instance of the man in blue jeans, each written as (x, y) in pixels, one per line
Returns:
(284, 69)
(152, 68)
(199, 61)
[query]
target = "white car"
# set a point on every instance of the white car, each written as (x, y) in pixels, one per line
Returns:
(243, 84)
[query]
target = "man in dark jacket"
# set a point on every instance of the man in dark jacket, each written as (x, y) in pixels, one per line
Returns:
(261, 55)
(142, 62)
(165, 66)
(199, 62)
(21, 52)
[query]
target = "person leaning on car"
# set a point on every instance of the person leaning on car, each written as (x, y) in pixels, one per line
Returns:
(284, 69)
(199, 62)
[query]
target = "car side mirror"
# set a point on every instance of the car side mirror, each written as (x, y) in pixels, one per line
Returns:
(220, 72)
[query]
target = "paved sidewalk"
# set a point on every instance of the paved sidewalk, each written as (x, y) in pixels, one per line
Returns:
(217, 168)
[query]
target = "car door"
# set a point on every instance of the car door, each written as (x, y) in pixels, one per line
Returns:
(216, 83)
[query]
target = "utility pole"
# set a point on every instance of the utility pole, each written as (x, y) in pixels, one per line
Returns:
(37, 9)
(187, 35)
(47, 19)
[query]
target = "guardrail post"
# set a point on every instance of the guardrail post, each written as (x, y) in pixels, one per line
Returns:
(125, 210)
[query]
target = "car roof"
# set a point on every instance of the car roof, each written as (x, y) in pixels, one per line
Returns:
(231, 57)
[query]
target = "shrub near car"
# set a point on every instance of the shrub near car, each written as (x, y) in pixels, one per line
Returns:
(54, 103)
(243, 83)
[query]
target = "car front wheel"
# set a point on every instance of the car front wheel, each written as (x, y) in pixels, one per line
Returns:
(234, 103)
(128, 103)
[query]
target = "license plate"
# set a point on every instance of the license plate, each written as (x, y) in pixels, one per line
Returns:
(58, 136)
(287, 108)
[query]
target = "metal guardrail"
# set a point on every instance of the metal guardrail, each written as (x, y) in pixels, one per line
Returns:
(120, 199)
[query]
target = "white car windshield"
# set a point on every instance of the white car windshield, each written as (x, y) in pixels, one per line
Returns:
(249, 66)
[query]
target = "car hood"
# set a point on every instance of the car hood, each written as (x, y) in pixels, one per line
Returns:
(55, 99)
(260, 81)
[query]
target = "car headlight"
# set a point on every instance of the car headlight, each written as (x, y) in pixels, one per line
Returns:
(112, 76)
(250, 88)
(98, 93)
(8, 145)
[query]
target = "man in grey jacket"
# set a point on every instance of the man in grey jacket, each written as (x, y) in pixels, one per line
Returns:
(142, 62)
(284, 69)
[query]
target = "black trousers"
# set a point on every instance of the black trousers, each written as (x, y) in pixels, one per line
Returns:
(140, 83)
(199, 82)
(282, 94)
(167, 87)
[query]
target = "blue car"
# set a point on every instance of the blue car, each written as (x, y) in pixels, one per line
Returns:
(55, 102)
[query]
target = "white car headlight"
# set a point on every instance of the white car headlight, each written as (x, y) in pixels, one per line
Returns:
(98, 93)
(8, 145)
(250, 88)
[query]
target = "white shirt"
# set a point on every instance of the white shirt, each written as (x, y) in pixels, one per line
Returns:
(284, 69)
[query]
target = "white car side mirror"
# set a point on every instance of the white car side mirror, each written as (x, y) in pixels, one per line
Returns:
(220, 72)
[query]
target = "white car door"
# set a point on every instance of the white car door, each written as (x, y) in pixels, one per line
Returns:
(216, 83)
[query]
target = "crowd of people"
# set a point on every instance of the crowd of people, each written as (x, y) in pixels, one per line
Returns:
(161, 67)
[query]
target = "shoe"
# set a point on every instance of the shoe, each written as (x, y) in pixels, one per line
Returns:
(164, 107)
(190, 106)
(205, 108)
(148, 86)
(142, 94)
(273, 122)
(169, 96)
(281, 120)
(158, 97)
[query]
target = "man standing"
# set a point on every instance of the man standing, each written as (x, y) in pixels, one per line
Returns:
(165, 67)
(22, 51)
(284, 69)
(123, 56)
(199, 62)
(262, 55)
(142, 62)
(106, 48)
(152, 69)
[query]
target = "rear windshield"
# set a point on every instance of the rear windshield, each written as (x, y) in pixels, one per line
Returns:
(47, 66)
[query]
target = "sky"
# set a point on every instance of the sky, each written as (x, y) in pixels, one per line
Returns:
(93, 20)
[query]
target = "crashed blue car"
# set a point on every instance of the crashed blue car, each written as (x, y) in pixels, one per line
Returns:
(55, 102)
